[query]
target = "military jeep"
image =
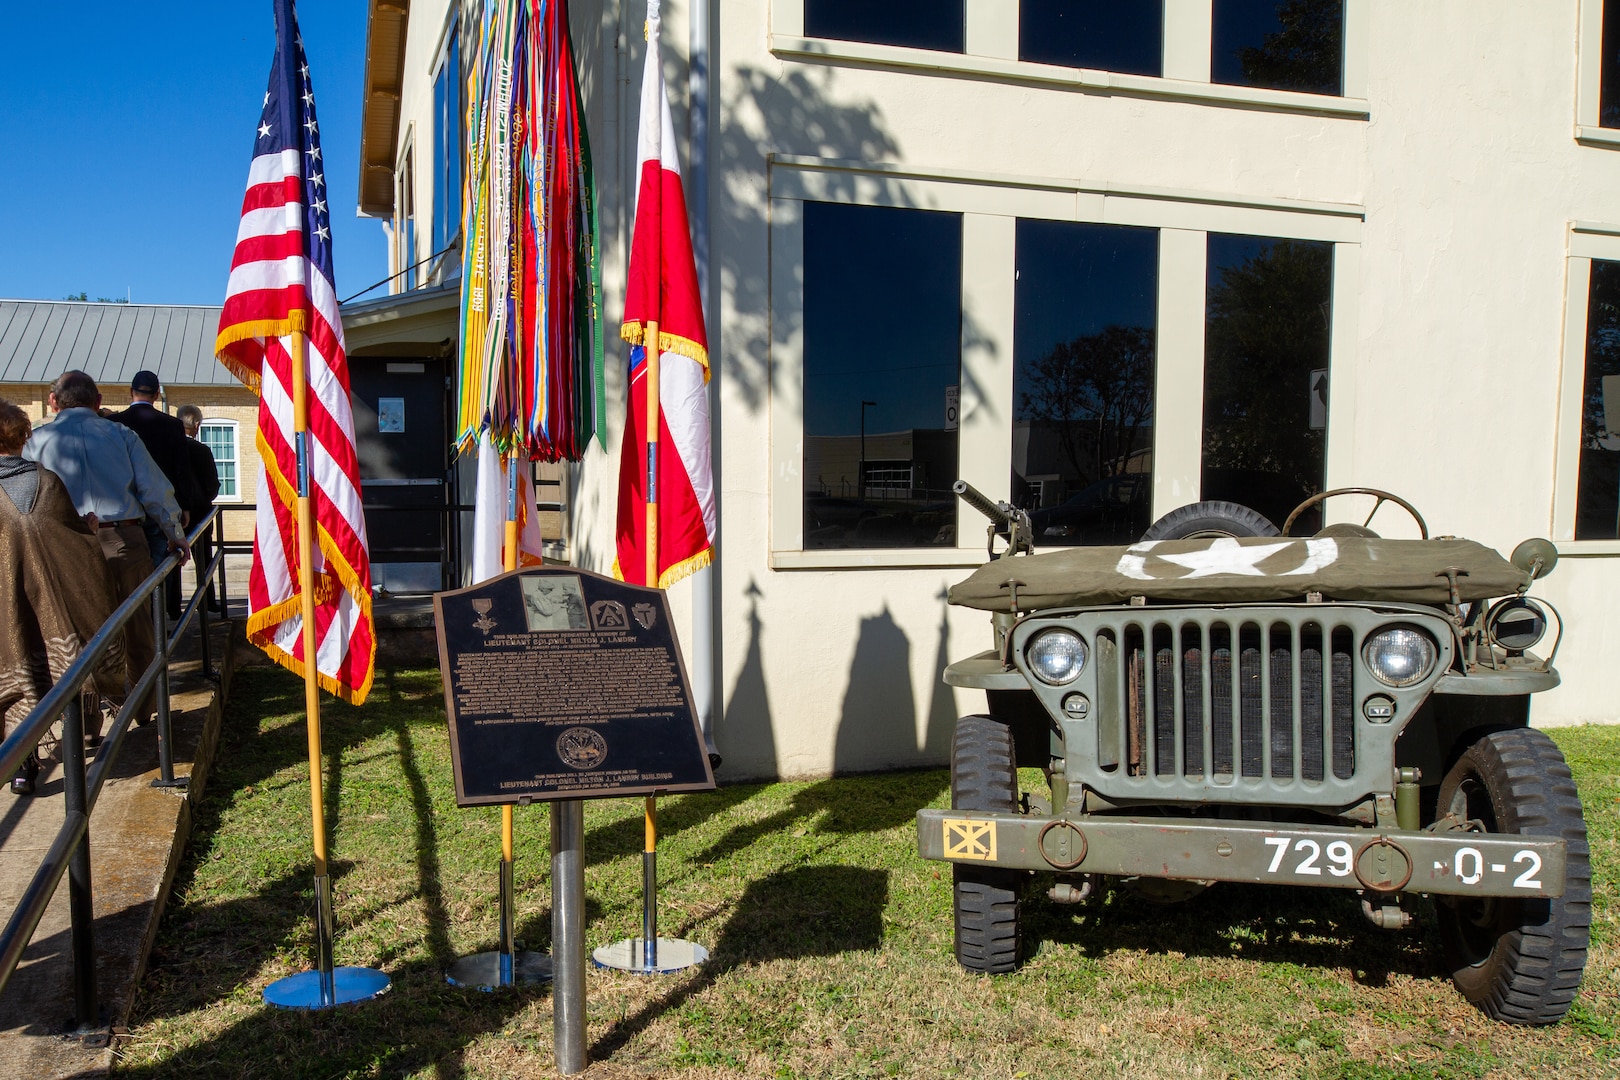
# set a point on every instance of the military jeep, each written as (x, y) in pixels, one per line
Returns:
(1224, 702)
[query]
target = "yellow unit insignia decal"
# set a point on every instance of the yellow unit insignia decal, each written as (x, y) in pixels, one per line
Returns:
(966, 839)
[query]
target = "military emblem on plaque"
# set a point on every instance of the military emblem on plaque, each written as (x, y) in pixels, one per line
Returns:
(581, 748)
(645, 615)
(608, 615)
(483, 605)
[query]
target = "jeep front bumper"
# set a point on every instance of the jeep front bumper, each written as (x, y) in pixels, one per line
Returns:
(1383, 860)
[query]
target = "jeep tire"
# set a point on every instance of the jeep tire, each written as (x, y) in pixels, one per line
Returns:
(1518, 960)
(1210, 519)
(983, 777)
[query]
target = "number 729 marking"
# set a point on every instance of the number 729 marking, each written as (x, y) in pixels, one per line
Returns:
(1341, 858)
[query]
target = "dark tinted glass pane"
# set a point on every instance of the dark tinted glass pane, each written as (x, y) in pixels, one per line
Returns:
(1597, 506)
(1287, 45)
(1083, 366)
(1609, 69)
(1266, 333)
(882, 356)
(1114, 35)
(921, 24)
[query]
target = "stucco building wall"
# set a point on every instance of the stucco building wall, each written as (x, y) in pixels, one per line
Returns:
(1460, 202)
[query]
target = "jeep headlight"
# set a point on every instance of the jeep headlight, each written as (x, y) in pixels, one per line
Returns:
(1400, 655)
(1056, 656)
(1516, 624)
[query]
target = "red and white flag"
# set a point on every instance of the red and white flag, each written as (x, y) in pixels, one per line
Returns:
(281, 284)
(663, 291)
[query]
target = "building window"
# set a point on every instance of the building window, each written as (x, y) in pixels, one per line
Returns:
(1268, 325)
(1085, 318)
(1113, 35)
(1597, 500)
(220, 438)
(405, 222)
(1287, 45)
(882, 363)
(447, 145)
(919, 24)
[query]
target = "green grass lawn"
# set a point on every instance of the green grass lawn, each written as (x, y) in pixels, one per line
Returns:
(830, 939)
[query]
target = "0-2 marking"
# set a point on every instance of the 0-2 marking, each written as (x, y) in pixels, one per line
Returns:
(1469, 864)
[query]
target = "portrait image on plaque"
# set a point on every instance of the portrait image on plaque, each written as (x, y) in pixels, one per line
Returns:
(553, 603)
(560, 683)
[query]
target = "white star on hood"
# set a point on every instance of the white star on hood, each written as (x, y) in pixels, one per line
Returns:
(1226, 556)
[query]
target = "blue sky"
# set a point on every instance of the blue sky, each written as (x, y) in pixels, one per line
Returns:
(129, 127)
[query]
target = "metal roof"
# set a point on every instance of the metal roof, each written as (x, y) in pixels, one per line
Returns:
(40, 339)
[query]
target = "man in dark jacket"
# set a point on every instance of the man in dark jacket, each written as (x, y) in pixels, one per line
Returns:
(205, 479)
(165, 439)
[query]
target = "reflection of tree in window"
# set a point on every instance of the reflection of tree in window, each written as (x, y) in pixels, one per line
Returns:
(1597, 502)
(1084, 338)
(1266, 346)
(1096, 393)
(1292, 45)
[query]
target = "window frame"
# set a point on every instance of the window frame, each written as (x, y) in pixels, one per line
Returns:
(449, 52)
(236, 451)
(991, 52)
(991, 205)
(1588, 241)
(406, 279)
(1589, 78)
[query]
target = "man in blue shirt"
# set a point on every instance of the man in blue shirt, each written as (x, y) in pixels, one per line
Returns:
(116, 485)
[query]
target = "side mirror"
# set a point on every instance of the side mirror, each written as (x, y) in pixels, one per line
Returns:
(1535, 557)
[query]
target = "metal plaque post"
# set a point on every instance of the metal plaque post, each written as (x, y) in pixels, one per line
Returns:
(568, 933)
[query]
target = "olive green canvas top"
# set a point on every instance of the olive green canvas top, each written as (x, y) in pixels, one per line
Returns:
(1247, 569)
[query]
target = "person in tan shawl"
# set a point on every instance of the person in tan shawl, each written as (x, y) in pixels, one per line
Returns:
(55, 591)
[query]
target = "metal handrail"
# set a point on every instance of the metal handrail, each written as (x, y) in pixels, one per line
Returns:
(70, 850)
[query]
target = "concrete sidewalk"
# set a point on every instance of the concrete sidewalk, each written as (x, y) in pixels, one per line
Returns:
(137, 836)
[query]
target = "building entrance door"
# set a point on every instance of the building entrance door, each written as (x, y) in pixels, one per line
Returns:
(400, 423)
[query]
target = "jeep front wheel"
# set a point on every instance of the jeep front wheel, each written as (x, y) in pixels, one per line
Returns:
(983, 777)
(1518, 960)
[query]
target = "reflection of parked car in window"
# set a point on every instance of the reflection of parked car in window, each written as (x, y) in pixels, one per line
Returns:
(1111, 511)
(1119, 509)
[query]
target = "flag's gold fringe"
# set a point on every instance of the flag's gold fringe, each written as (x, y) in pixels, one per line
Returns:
(636, 333)
(256, 328)
(323, 591)
(683, 569)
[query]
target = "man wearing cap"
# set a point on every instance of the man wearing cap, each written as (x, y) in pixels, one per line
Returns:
(116, 485)
(165, 439)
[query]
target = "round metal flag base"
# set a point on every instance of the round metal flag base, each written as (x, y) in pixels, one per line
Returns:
(631, 955)
(482, 971)
(303, 991)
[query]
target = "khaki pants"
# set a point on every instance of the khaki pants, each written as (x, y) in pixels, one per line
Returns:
(131, 563)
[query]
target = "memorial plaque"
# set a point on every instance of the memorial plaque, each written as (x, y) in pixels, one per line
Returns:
(563, 684)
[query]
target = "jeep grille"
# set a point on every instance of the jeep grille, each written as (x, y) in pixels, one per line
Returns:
(1223, 698)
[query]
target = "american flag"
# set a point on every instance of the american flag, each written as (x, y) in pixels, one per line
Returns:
(281, 284)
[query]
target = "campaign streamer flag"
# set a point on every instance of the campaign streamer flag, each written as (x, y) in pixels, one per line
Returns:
(281, 285)
(663, 291)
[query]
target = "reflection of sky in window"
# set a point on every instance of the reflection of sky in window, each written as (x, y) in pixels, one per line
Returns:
(882, 316)
(921, 24)
(1076, 278)
(1113, 35)
(1230, 249)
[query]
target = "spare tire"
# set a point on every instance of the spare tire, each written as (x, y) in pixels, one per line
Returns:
(1210, 519)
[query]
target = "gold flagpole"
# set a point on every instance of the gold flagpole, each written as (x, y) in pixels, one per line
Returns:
(312, 689)
(649, 917)
(509, 562)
